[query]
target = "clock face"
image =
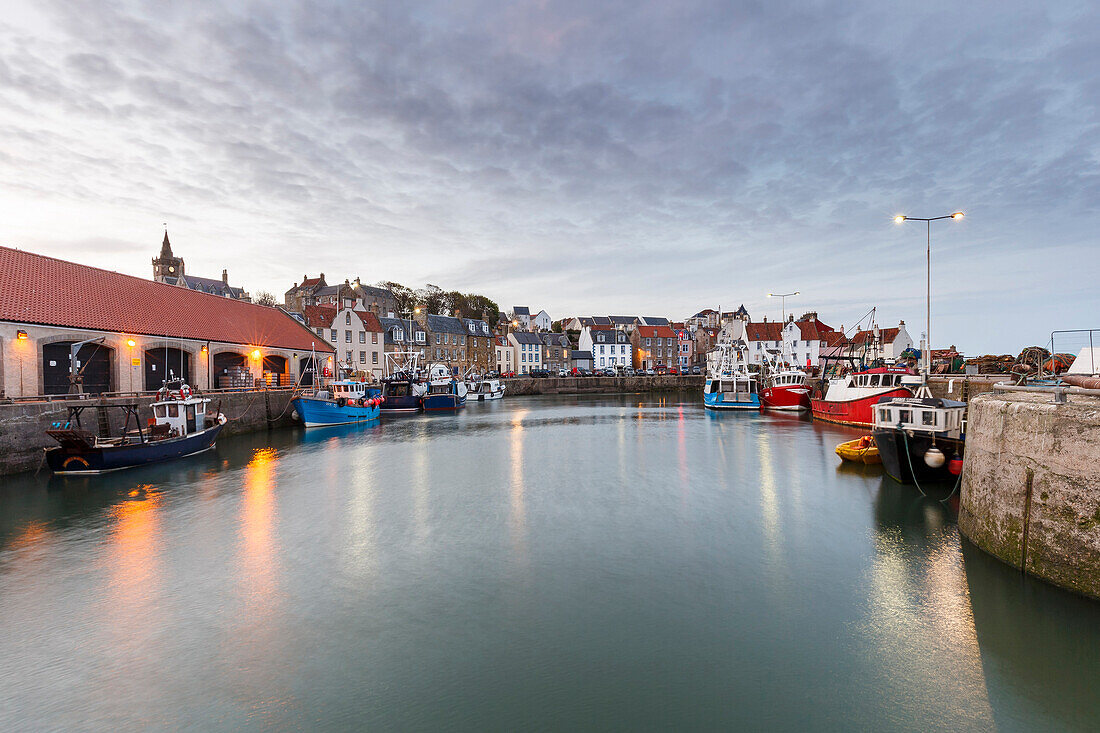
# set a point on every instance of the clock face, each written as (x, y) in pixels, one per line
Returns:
(171, 269)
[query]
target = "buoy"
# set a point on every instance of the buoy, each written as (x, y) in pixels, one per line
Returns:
(955, 465)
(934, 457)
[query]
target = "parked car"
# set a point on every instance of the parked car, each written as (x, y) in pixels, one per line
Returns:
(651, 372)
(538, 373)
(661, 369)
(628, 371)
(696, 369)
(673, 370)
(563, 372)
(507, 374)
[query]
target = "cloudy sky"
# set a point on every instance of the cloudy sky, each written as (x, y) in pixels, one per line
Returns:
(650, 157)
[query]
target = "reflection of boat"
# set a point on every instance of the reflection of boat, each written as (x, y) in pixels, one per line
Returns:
(730, 386)
(480, 390)
(849, 400)
(860, 450)
(445, 391)
(340, 403)
(180, 427)
(920, 438)
(787, 390)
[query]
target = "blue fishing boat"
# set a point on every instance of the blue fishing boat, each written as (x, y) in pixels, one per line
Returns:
(180, 427)
(730, 385)
(342, 402)
(445, 391)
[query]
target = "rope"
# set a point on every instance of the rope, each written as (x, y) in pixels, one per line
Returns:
(909, 458)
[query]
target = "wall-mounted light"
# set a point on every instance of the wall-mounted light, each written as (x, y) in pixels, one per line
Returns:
(131, 343)
(21, 335)
(256, 354)
(204, 349)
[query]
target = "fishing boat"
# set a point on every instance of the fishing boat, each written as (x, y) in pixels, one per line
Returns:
(445, 391)
(403, 390)
(788, 389)
(920, 439)
(850, 399)
(860, 450)
(481, 390)
(180, 427)
(341, 402)
(731, 386)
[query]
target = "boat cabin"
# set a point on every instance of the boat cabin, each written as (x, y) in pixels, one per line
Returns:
(788, 379)
(177, 411)
(349, 390)
(732, 387)
(921, 415)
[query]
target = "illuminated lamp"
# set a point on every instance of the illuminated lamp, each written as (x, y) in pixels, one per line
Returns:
(256, 354)
(21, 335)
(131, 343)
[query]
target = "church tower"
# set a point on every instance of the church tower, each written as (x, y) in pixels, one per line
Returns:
(167, 268)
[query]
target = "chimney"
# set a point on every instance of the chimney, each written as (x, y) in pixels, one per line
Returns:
(322, 276)
(225, 277)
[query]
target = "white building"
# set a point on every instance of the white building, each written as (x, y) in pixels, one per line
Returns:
(355, 333)
(882, 343)
(804, 339)
(506, 362)
(528, 351)
(609, 347)
(541, 321)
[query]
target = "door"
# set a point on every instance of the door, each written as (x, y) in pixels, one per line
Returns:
(190, 419)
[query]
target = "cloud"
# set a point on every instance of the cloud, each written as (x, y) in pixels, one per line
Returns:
(620, 156)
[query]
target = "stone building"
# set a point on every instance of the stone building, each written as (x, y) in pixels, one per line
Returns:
(654, 346)
(315, 291)
(555, 351)
(480, 345)
(402, 337)
(355, 333)
(130, 333)
(446, 341)
(171, 270)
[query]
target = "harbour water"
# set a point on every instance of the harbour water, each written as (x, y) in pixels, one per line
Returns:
(538, 563)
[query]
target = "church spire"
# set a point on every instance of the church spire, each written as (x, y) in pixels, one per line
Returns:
(165, 247)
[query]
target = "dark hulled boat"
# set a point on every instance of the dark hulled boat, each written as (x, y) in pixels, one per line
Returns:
(180, 427)
(920, 439)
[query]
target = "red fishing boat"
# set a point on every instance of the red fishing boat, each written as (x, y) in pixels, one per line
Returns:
(850, 400)
(787, 390)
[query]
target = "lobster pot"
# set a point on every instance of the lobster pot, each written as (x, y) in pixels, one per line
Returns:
(235, 378)
(276, 379)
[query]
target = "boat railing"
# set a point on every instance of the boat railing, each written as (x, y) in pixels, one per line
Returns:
(1059, 395)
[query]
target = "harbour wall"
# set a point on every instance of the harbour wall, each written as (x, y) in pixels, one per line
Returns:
(23, 425)
(1030, 492)
(601, 385)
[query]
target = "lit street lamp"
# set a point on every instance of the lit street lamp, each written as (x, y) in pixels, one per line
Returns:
(927, 355)
(783, 300)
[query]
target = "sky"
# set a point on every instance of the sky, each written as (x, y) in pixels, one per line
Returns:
(650, 158)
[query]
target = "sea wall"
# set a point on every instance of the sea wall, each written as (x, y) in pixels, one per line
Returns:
(1031, 485)
(605, 385)
(23, 425)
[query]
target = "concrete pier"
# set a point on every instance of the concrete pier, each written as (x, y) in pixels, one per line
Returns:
(1031, 485)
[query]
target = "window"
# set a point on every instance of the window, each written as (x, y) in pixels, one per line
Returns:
(362, 337)
(437, 352)
(905, 416)
(374, 357)
(347, 319)
(349, 357)
(347, 337)
(173, 410)
(362, 357)
(374, 337)
(463, 339)
(647, 342)
(420, 337)
(928, 418)
(333, 336)
(321, 332)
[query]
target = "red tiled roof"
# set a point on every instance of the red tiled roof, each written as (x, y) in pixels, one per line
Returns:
(678, 326)
(370, 321)
(319, 315)
(310, 282)
(656, 332)
(770, 331)
(52, 292)
(834, 338)
(887, 334)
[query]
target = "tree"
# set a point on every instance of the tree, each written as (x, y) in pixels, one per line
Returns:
(431, 298)
(265, 298)
(405, 296)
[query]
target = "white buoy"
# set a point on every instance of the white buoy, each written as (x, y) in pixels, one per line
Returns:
(934, 457)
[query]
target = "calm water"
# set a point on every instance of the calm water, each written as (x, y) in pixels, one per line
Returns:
(535, 564)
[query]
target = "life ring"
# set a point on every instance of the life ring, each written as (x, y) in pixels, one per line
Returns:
(341, 402)
(75, 459)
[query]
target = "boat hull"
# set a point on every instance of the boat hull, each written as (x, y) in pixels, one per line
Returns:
(398, 405)
(858, 412)
(443, 402)
(65, 460)
(317, 413)
(717, 402)
(902, 455)
(787, 397)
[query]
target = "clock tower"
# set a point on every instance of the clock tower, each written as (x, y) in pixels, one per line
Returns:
(167, 267)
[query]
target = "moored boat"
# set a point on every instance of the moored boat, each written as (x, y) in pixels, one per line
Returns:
(341, 402)
(787, 390)
(920, 439)
(731, 386)
(445, 391)
(860, 450)
(850, 399)
(481, 390)
(180, 427)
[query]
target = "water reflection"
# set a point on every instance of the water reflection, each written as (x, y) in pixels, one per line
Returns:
(517, 514)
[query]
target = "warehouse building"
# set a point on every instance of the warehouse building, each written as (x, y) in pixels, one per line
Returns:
(129, 334)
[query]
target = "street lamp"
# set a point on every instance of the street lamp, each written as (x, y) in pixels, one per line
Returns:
(783, 300)
(927, 356)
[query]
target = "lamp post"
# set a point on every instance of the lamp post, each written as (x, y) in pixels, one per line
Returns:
(927, 356)
(783, 301)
